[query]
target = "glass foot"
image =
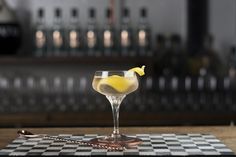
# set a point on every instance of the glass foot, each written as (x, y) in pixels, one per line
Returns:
(117, 140)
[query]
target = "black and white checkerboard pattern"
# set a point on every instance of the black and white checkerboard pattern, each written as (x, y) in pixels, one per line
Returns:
(153, 144)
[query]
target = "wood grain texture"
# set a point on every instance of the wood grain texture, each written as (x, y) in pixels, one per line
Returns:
(227, 134)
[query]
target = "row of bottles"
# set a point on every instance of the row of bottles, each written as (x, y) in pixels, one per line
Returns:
(75, 41)
(171, 55)
(155, 94)
(173, 59)
(72, 84)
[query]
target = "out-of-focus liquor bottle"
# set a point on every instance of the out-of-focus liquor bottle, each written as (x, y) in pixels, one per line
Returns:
(92, 35)
(206, 62)
(207, 71)
(174, 94)
(205, 57)
(232, 80)
(213, 97)
(126, 41)
(174, 61)
(40, 34)
(10, 31)
(201, 92)
(227, 92)
(188, 93)
(160, 45)
(143, 35)
(57, 34)
(108, 35)
(232, 63)
(74, 40)
(159, 51)
(203, 63)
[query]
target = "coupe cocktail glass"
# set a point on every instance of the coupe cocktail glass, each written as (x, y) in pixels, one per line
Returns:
(115, 85)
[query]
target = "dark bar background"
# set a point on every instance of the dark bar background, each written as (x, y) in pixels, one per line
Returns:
(197, 24)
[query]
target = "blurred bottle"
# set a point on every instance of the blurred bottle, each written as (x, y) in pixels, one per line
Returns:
(143, 35)
(212, 101)
(164, 92)
(201, 92)
(74, 39)
(40, 34)
(174, 61)
(92, 35)
(160, 45)
(126, 34)
(175, 93)
(159, 51)
(206, 62)
(232, 63)
(227, 92)
(108, 35)
(231, 79)
(57, 34)
(10, 32)
(189, 93)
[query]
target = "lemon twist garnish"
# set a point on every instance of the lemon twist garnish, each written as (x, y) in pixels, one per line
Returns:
(139, 71)
(120, 83)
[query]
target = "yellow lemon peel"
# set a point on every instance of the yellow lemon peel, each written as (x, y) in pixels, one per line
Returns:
(120, 83)
(139, 71)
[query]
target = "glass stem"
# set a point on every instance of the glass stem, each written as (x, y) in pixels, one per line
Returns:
(115, 105)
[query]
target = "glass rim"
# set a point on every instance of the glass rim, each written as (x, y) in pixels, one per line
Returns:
(110, 71)
(106, 73)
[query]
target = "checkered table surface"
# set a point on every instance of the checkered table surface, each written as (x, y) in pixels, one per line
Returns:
(153, 144)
